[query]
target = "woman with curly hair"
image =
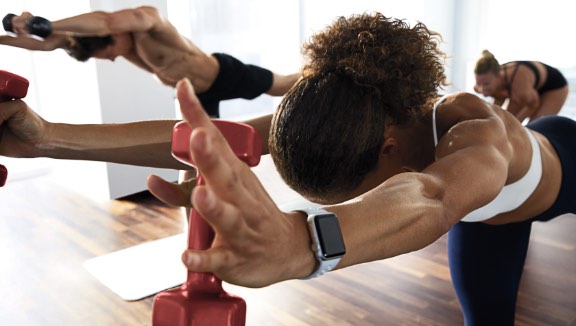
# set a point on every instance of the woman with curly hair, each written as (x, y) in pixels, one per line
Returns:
(533, 89)
(393, 164)
(366, 134)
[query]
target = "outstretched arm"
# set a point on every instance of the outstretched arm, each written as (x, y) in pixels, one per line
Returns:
(146, 143)
(53, 42)
(256, 244)
(105, 23)
(524, 105)
(525, 100)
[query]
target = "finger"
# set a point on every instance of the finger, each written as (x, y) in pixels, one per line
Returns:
(210, 260)
(13, 110)
(168, 192)
(210, 150)
(223, 217)
(219, 166)
(190, 106)
(192, 110)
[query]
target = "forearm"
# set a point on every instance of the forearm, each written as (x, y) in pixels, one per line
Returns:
(146, 143)
(524, 110)
(392, 219)
(523, 113)
(55, 41)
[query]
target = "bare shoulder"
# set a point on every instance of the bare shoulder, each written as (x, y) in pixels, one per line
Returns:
(468, 100)
(463, 106)
(466, 118)
(147, 10)
(146, 14)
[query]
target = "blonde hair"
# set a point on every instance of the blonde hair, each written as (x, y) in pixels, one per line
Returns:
(487, 63)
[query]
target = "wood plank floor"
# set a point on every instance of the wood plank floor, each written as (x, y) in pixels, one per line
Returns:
(47, 232)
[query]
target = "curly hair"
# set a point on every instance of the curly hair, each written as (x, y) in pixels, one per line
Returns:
(487, 63)
(83, 48)
(363, 73)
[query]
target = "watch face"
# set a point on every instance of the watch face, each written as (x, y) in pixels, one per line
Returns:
(329, 235)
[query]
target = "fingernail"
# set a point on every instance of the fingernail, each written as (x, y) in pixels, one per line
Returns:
(190, 259)
(188, 85)
(207, 143)
(209, 198)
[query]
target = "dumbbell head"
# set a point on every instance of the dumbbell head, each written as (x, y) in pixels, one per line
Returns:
(12, 85)
(7, 23)
(243, 139)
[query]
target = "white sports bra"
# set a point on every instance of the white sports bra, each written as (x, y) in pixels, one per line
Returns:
(511, 196)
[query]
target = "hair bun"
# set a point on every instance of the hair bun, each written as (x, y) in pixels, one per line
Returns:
(487, 54)
(373, 50)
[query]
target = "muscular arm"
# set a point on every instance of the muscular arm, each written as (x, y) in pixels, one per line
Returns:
(525, 104)
(412, 210)
(256, 244)
(525, 100)
(104, 23)
(145, 143)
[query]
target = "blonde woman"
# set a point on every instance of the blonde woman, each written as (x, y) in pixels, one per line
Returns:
(533, 89)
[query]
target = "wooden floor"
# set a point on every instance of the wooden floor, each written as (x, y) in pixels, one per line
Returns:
(47, 232)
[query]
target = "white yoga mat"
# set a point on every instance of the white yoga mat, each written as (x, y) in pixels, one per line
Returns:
(141, 271)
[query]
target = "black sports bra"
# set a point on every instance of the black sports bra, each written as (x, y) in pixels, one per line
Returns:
(518, 64)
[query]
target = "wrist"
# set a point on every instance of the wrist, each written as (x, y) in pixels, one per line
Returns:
(54, 141)
(303, 262)
(326, 238)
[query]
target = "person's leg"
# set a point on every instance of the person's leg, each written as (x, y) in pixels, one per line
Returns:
(551, 103)
(486, 264)
(282, 83)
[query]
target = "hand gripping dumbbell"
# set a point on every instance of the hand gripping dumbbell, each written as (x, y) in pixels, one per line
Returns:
(11, 86)
(201, 300)
(36, 25)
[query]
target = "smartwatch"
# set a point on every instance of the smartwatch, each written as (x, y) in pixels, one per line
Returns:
(327, 241)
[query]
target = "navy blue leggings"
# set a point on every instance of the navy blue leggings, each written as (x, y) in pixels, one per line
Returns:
(486, 261)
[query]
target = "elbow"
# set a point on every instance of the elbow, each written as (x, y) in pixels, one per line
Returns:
(105, 22)
(444, 215)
